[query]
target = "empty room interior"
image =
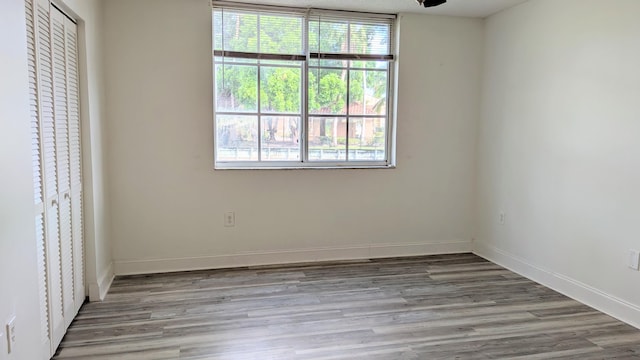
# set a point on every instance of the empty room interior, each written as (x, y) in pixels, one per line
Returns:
(455, 181)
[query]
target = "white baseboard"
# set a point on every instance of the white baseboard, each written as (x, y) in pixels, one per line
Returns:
(130, 267)
(588, 295)
(98, 291)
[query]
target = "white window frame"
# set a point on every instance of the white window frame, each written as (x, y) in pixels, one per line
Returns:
(304, 162)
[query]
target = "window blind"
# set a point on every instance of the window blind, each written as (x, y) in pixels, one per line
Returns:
(263, 35)
(332, 36)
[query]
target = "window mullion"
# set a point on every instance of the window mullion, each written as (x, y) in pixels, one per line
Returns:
(259, 114)
(346, 137)
(346, 142)
(390, 127)
(304, 122)
(259, 91)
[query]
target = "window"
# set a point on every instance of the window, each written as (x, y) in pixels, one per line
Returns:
(297, 88)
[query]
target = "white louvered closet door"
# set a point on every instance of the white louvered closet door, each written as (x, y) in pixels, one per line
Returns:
(49, 170)
(55, 125)
(36, 38)
(61, 115)
(75, 163)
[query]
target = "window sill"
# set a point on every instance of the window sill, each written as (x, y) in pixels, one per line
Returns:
(236, 166)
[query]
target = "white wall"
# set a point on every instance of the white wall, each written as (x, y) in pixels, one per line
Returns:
(18, 269)
(168, 202)
(18, 266)
(559, 150)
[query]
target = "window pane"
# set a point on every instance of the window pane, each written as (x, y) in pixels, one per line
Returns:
(381, 65)
(332, 35)
(280, 89)
(369, 39)
(280, 34)
(327, 91)
(236, 138)
(367, 139)
(327, 139)
(281, 138)
(240, 31)
(236, 88)
(232, 60)
(367, 92)
(291, 63)
(349, 37)
(328, 63)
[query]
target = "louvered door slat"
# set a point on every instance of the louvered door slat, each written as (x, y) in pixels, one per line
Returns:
(42, 281)
(55, 276)
(75, 162)
(33, 104)
(45, 76)
(60, 103)
(36, 160)
(50, 173)
(66, 261)
(62, 160)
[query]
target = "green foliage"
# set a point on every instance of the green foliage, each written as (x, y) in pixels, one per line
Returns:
(238, 82)
(332, 35)
(332, 92)
(356, 86)
(281, 89)
(280, 35)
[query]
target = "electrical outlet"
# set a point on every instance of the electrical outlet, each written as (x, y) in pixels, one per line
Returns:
(229, 219)
(11, 335)
(634, 259)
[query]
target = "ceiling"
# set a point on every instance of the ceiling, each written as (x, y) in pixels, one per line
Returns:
(467, 8)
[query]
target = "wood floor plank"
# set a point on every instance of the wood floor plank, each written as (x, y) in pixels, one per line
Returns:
(456, 306)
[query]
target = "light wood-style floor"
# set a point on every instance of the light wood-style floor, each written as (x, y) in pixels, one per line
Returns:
(434, 307)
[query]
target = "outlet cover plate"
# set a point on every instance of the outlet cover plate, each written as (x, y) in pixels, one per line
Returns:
(634, 259)
(229, 219)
